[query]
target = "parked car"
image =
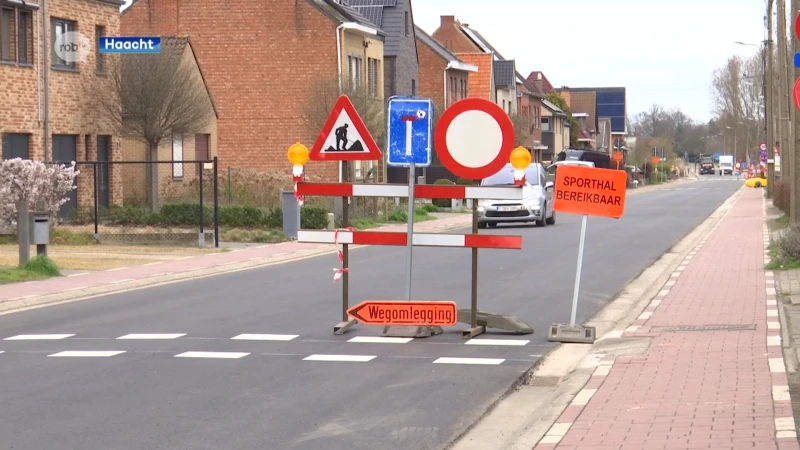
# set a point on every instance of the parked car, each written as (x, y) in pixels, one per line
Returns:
(550, 171)
(536, 205)
(601, 160)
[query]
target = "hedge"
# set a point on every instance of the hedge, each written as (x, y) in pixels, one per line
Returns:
(175, 214)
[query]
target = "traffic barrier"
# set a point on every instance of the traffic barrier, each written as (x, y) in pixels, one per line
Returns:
(419, 239)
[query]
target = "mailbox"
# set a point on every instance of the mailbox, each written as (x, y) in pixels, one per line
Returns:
(40, 229)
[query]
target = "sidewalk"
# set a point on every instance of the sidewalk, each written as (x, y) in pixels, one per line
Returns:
(34, 293)
(714, 375)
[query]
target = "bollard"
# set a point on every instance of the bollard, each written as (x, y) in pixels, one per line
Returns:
(331, 222)
(291, 214)
(23, 233)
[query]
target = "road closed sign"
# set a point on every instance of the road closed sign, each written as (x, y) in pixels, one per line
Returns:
(590, 191)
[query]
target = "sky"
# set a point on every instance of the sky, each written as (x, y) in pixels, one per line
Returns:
(662, 52)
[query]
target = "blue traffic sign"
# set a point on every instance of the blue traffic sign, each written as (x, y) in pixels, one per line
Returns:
(409, 131)
(797, 60)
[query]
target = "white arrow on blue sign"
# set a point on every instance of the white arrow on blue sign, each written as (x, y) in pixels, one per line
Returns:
(409, 131)
(797, 60)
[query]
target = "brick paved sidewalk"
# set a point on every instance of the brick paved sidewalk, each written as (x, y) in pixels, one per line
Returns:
(718, 381)
(156, 271)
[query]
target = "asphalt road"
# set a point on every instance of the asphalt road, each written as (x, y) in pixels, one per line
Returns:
(267, 396)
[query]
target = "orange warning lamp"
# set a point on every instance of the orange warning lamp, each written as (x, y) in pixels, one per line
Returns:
(520, 159)
(298, 156)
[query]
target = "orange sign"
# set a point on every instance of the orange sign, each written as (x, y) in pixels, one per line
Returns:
(617, 156)
(375, 312)
(590, 191)
(655, 160)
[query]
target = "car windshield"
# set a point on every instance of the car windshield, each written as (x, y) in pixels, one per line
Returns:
(506, 177)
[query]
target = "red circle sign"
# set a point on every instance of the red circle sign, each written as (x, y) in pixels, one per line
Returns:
(797, 26)
(796, 95)
(474, 138)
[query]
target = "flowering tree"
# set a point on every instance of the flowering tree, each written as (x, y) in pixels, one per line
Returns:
(36, 182)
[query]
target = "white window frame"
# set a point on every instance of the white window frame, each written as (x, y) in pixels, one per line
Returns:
(177, 156)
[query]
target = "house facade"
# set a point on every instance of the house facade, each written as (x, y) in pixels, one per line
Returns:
(555, 131)
(443, 76)
(49, 112)
(308, 42)
(600, 113)
(178, 178)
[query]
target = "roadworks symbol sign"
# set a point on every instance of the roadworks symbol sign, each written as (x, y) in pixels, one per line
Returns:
(344, 137)
(590, 191)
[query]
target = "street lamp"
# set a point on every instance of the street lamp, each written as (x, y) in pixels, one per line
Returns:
(763, 48)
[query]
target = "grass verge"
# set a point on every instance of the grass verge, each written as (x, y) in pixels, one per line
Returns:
(778, 262)
(37, 268)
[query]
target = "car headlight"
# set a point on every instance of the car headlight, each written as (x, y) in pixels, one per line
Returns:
(481, 209)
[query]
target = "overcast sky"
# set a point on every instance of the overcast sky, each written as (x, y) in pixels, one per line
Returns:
(662, 51)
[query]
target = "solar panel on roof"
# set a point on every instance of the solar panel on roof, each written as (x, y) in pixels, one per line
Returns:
(373, 13)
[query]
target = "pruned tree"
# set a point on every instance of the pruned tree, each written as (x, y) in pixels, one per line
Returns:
(150, 97)
(556, 99)
(322, 96)
(522, 129)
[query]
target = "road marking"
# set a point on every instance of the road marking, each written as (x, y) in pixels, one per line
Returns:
(781, 393)
(772, 303)
(117, 268)
(380, 340)
(78, 274)
(87, 353)
(776, 365)
(655, 303)
(156, 263)
(601, 371)
(772, 281)
(670, 283)
(784, 423)
(340, 358)
(663, 292)
(120, 281)
(471, 361)
(645, 315)
(265, 337)
(583, 397)
(518, 342)
(772, 313)
(773, 340)
(219, 355)
(773, 325)
(2, 351)
(771, 291)
(38, 337)
(152, 336)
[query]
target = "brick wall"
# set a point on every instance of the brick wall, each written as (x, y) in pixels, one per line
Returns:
(480, 82)
(584, 102)
(73, 109)
(431, 74)
(450, 35)
(258, 61)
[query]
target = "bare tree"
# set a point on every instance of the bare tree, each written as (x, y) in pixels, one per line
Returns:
(150, 97)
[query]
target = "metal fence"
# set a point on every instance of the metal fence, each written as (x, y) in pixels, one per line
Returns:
(145, 202)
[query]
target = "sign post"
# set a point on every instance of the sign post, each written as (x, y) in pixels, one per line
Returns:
(590, 192)
(408, 145)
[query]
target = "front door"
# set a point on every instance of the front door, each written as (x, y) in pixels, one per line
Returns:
(65, 150)
(102, 171)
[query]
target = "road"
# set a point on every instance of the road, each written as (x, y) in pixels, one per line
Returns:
(267, 395)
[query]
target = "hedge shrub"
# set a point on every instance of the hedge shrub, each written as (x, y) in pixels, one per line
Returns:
(442, 202)
(313, 218)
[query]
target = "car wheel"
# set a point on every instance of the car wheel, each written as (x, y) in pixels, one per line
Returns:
(757, 184)
(482, 224)
(543, 222)
(552, 219)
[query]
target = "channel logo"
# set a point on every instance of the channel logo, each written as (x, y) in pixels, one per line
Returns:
(130, 44)
(72, 47)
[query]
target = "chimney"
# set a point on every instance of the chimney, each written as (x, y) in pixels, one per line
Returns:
(449, 21)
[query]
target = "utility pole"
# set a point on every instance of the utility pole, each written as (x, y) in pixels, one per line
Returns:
(783, 85)
(770, 105)
(794, 198)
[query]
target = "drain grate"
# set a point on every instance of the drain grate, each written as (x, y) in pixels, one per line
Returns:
(545, 381)
(721, 327)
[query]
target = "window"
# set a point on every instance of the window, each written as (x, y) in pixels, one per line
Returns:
(354, 66)
(464, 90)
(536, 117)
(177, 156)
(413, 87)
(25, 39)
(15, 145)
(57, 28)
(373, 76)
(6, 33)
(504, 104)
(408, 28)
(98, 57)
(546, 124)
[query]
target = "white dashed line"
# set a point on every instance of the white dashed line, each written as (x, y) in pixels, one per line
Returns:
(218, 355)
(153, 336)
(154, 263)
(340, 358)
(38, 337)
(773, 341)
(380, 340)
(583, 397)
(471, 361)
(265, 337)
(507, 342)
(781, 393)
(776, 365)
(116, 268)
(87, 354)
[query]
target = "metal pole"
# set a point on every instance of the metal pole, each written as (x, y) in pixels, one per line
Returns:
(578, 273)
(345, 250)
(96, 217)
(474, 309)
(202, 237)
(412, 175)
(769, 99)
(23, 230)
(45, 71)
(216, 202)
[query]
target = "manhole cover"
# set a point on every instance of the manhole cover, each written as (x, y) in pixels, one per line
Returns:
(545, 381)
(722, 327)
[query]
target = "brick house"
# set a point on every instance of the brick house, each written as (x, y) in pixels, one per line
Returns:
(291, 49)
(594, 107)
(49, 113)
(176, 180)
(400, 54)
(555, 130)
(443, 76)
(538, 80)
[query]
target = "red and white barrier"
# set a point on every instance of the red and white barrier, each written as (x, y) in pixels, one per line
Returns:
(419, 239)
(420, 191)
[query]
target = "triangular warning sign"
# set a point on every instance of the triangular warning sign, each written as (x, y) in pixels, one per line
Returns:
(344, 137)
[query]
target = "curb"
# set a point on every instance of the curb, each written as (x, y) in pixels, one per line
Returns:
(31, 302)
